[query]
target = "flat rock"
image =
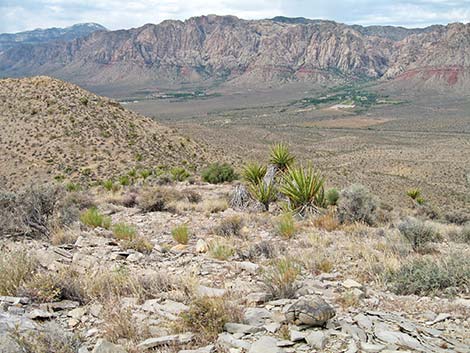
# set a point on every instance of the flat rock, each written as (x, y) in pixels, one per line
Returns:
(14, 300)
(232, 327)
(316, 339)
(228, 341)
(350, 284)
(204, 291)
(256, 316)
(103, 346)
(371, 348)
(207, 349)
(265, 344)
(296, 336)
(400, 339)
(154, 342)
(38, 314)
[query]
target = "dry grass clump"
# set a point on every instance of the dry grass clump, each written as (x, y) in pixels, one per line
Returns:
(123, 231)
(138, 243)
(230, 226)
(158, 199)
(221, 250)
(62, 236)
(459, 217)
(16, 268)
(50, 338)
(460, 235)
(213, 205)
(207, 317)
(280, 278)
(285, 226)
(181, 234)
(327, 221)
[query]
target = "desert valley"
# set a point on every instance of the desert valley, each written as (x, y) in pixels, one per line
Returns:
(226, 185)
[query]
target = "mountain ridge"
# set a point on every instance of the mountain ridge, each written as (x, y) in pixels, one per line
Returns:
(226, 49)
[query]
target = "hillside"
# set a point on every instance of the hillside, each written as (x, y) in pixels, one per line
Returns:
(11, 40)
(210, 50)
(53, 129)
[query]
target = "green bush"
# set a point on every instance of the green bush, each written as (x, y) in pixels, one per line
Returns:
(124, 180)
(93, 218)
(304, 189)
(281, 157)
(253, 173)
(181, 234)
(431, 276)
(179, 174)
(418, 233)
(414, 194)
(357, 204)
(332, 196)
(218, 173)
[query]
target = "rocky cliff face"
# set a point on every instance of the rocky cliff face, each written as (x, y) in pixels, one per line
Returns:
(228, 49)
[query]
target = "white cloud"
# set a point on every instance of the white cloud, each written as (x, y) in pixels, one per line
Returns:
(21, 15)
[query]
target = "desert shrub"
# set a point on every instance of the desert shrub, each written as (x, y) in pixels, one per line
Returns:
(214, 205)
(357, 204)
(145, 173)
(138, 243)
(16, 268)
(49, 338)
(72, 187)
(124, 180)
(220, 250)
(179, 174)
(281, 157)
(230, 226)
(332, 196)
(264, 193)
(430, 276)
(123, 231)
(30, 211)
(303, 187)
(157, 199)
(129, 199)
(285, 226)
(192, 196)
(280, 278)
(253, 173)
(207, 316)
(426, 210)
(219, 173)
(181, 234)
(93, 219)
(462, 235)
(262, 249)
(120, 324)
(418, 233)
(108, 185)
(458, 217)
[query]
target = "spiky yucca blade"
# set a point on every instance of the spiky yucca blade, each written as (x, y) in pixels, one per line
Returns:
(281, 157)
(253, 173)
(263, 192)
(303, 188)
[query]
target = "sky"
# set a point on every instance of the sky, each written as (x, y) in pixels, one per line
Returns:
(21, 15)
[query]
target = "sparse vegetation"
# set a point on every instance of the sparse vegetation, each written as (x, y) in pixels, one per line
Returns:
(229, 227)
(157, 199)
(219, 173)
(93, 219)
(280, 278)
(123, 231)
(179, 174)
(16, 268)
(357, 204)
(418, 233)
(181, 234)
(332, 196)
(431, 276)
(221, 250)
(285, 226)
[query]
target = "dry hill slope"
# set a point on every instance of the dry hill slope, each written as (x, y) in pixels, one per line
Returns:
(50, 128)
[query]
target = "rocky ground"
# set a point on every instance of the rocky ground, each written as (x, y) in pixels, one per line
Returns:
(225, 280)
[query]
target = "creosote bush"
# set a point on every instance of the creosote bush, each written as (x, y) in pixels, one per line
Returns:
(418, 233)
(230, 226)
(430, 276)
(93, 219)
(357, 204)
(181, 234)
(280, 278)
(219, 173)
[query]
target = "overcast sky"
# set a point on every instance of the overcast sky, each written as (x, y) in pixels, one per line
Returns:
(20, 15)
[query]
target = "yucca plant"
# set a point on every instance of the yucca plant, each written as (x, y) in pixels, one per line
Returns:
(281, 157)
(263, 192)
(303, 187)
(414, 193)
(253, 173)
